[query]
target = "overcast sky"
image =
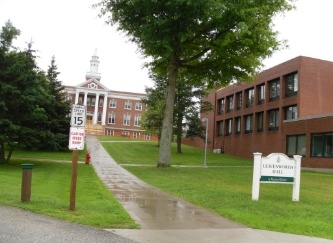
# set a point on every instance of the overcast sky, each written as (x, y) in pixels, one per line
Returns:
(71, 31)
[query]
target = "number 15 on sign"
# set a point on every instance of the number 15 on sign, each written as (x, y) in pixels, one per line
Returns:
(78, 118)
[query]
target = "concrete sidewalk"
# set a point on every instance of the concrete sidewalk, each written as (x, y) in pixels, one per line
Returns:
(166, 218)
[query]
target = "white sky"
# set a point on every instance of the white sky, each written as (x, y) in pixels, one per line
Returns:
(71, 30)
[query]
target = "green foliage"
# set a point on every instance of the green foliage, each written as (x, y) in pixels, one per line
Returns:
(210, 43)
(32, 111)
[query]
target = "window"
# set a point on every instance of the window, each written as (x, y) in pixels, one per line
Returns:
(249, 97)
(219, 128)
(230, 100)
(238, 125)
(99, 117)
(88, 101)
(136, 135)
(125, 134)
(296, 145)
(321, 145)
(137, 120)
(138, 106)
(147, 137)
(274, 89)
(273, 119)
(127, 118)
(261, 93)
(109, 132)
(101, 102)
(290, 113)
(239, 100)
(248, 123)
(93, 101)
(260, 122)
(111, 118)
(291, 84)
(113, 103)
(221, 106)
(228, 124)
(80, 100)
(128, 105)
(68, 98)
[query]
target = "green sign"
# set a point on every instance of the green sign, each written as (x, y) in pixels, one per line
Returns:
(277, 179)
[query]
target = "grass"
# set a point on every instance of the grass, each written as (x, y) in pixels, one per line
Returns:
(47, 155)
(225, 187)
(50, 194)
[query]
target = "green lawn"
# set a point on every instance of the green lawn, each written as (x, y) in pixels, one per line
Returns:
(225, 187)
(50, 194)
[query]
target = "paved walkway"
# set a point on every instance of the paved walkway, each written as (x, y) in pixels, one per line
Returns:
(165, 218)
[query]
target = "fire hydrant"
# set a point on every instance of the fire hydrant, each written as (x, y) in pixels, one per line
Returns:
(87, 158)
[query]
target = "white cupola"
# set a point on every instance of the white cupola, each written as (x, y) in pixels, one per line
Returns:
(93, 73)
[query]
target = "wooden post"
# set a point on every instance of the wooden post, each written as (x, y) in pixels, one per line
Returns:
(73, 181)
(26, 182)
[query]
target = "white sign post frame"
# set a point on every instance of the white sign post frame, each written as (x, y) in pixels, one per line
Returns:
(276, 168)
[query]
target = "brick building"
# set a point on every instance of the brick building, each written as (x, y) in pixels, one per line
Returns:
(109, 112)
(287, 109)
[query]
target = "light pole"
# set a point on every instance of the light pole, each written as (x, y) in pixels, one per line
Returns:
(205, 120)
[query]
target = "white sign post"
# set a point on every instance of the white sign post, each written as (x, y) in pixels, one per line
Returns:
(78, 118)
(76, 142)
(76, 138)
(276, 168)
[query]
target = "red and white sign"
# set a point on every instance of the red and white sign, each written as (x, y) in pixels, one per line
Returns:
(76, 138)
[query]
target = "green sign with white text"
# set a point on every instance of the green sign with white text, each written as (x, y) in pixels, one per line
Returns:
(277, 179)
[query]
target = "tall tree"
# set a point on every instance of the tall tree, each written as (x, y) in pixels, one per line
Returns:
(215, 41)
(28, 103)
(58, 109)
(151, 121)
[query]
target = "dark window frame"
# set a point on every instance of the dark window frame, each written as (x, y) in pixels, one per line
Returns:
(250, 130)
(291, 84)
(221, 104)
(239, 100)
(260, 122)
(324, 151)
(274, 89)
(294, 114)
(238, 125)
(261, 93)
(297, 137)
(249, 97)
(230, 103)
(276, 120)
(228, 127)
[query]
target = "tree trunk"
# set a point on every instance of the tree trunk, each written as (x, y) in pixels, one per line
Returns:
(179, 132)
(10, 152)
(166, 134)
(2, 153)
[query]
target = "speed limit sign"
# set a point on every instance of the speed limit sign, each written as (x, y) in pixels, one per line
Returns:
(78, 118)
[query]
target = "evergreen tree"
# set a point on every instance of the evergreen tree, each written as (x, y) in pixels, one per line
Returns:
(27, 105)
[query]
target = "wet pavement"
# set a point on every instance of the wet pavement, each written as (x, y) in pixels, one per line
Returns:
(166, 218)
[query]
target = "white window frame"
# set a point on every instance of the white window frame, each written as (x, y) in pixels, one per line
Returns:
(138, 106)
(113, 103)
(112, 118)
(128, 105)
(127, 119)
(137, 120)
